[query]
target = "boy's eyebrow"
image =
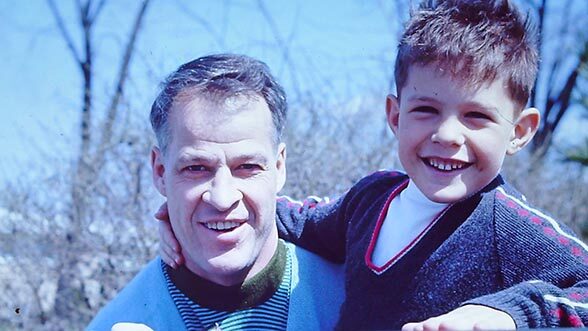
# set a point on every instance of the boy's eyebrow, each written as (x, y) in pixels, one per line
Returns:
(474, 104)
(422, 98)
(470, 104)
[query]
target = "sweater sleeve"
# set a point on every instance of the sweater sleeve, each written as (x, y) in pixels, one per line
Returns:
(315, 224)
(540, 304)
(543, 265)
(322, 225)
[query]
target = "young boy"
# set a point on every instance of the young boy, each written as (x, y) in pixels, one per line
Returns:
(451, 235)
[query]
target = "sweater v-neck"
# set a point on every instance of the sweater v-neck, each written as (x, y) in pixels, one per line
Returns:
(250, 293)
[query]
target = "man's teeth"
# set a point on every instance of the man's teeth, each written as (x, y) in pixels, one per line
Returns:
(445, 165)
(221, 225)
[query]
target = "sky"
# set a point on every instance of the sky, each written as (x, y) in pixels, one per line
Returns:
(340, 48)
(336, 46)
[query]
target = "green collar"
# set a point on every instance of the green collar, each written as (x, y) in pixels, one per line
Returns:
(248, 294)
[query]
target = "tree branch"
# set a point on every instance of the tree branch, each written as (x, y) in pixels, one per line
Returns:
(64, 32)
(282, 44)
(119, 90)
(92, 16)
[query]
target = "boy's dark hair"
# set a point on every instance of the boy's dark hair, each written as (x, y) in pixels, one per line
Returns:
(219, 76)
(476, 41)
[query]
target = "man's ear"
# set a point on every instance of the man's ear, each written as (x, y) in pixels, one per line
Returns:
(158, 169)
(392, 112)
(524, 129)
(281, 167)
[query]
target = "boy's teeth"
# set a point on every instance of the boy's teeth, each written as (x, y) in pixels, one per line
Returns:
(221, 225)
(446, 166)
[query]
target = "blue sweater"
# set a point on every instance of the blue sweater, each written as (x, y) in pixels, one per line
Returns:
(315, 298)
(491, 249)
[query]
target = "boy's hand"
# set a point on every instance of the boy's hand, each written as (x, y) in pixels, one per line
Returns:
(169, 247)
(130, 327)
(468, 317)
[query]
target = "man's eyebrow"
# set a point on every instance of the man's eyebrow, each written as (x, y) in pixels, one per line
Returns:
(194, 157)
(252, 156)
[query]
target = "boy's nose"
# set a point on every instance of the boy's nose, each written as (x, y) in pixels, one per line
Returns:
(449, 132)
(222, 193)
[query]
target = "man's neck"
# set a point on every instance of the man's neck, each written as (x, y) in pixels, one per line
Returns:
(249, 293)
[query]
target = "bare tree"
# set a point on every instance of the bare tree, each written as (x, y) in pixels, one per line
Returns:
(560, 79)
(94, 145)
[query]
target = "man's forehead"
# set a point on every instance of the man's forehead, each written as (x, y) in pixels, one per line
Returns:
(220, 101)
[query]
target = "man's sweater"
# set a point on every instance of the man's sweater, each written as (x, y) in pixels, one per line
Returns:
(491, 249)
(315, 286)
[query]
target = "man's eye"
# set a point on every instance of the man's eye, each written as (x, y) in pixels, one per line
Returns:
(196, 168)
(425, 109)
(250, 166)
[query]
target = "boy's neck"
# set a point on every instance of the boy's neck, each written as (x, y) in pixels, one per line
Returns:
(412, 194)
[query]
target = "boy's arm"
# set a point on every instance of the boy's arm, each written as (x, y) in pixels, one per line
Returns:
(544, 267)
(316, 224)
(530, 304)
(540, 304)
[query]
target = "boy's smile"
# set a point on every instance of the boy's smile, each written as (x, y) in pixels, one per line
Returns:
(453, 138)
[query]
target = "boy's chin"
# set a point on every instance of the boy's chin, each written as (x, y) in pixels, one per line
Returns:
(446, 194)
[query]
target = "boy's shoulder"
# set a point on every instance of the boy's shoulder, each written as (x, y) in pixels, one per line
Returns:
(517, 219)
(512, 206)
(384, 177)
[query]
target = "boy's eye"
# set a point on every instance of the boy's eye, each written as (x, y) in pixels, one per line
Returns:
(425, 109)
(478, 115)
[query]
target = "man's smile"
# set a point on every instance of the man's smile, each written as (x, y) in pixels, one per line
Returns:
(222, 226)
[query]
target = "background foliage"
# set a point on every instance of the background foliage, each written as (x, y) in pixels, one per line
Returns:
(76, 229)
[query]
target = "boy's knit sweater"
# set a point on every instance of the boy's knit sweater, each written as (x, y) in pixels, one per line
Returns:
(491, 249)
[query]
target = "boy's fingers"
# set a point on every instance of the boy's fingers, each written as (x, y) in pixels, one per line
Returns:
(169, 256)
(412, 327)
(169, 261)
(162, 213)
(130, 327)
(167, 237)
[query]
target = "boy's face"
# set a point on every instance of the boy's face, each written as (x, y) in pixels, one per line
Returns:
(452, 138)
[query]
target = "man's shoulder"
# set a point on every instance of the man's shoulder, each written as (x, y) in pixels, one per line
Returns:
(306, 258)
(143, 300)
(317, 291)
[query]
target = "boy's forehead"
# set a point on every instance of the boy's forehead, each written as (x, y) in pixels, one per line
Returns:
(419, 74)
(434, 82)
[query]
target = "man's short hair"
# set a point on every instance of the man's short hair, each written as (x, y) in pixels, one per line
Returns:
(475, 41)
(219, 77)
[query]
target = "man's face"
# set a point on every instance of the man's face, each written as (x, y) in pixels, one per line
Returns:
(452, 139)
(220, 174)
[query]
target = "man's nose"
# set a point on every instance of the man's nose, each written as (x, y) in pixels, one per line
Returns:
(222, 193)
(450, 131)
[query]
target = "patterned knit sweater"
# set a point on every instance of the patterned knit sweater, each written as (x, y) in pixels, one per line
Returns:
(313, 300)
(491, 249)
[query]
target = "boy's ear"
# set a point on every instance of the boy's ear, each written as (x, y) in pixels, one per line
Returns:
(392, 112)
(281, 166)
(158, 169)
(525, 128)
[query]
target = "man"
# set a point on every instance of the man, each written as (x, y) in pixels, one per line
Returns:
(220, 163)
